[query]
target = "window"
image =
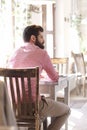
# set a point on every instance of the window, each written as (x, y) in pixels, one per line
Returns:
(15, 15)
(48, 24)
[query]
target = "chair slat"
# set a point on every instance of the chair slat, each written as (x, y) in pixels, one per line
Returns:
(11, 91)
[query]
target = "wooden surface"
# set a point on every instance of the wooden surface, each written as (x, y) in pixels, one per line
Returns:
(8, 128)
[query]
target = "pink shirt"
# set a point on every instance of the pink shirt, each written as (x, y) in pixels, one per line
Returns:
(31, 55)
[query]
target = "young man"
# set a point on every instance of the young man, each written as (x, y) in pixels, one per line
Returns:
(33, 54)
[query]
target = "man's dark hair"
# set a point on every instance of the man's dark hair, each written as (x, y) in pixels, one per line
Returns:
(31, 30)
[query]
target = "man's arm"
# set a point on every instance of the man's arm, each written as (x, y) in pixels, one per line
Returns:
(48, 67)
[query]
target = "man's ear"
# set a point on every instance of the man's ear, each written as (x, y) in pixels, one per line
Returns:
(33, 38)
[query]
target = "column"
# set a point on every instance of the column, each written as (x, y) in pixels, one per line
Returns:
(59, 28)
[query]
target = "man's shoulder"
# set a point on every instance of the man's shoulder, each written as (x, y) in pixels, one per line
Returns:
(43, 52)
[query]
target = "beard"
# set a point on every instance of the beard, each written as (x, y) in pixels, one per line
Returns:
(37, 43)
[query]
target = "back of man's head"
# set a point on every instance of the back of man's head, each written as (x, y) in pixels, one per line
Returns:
(31, 30)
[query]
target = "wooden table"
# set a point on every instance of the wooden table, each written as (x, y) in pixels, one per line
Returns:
(52, 88)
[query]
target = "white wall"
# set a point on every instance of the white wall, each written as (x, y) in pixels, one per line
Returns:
(62, 28)
(66, 37)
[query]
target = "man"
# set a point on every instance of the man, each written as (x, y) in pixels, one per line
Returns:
(33, 54)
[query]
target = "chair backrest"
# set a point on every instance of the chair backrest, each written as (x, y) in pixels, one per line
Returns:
(79, 62)
(61, 65)
(25, 108)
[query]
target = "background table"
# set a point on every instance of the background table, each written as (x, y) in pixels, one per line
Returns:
(51, 87)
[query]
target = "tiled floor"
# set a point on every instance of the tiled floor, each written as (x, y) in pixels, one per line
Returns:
(78, 117)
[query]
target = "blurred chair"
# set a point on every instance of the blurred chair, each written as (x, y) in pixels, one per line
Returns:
(61, 65)
(80, 72)
(25, 109)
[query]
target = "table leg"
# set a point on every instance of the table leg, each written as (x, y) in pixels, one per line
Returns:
(67, 94)
(67, 100)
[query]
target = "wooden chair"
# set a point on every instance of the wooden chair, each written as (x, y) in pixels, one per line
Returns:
(80, 71)
(25, 109)
(61, 65)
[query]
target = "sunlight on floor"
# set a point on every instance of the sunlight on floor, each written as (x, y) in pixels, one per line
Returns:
(76, 114)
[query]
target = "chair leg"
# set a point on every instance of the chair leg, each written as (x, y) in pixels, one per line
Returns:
(45, 124)
(84, 88)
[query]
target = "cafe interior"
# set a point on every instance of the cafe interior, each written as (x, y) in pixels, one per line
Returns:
(65, 34)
